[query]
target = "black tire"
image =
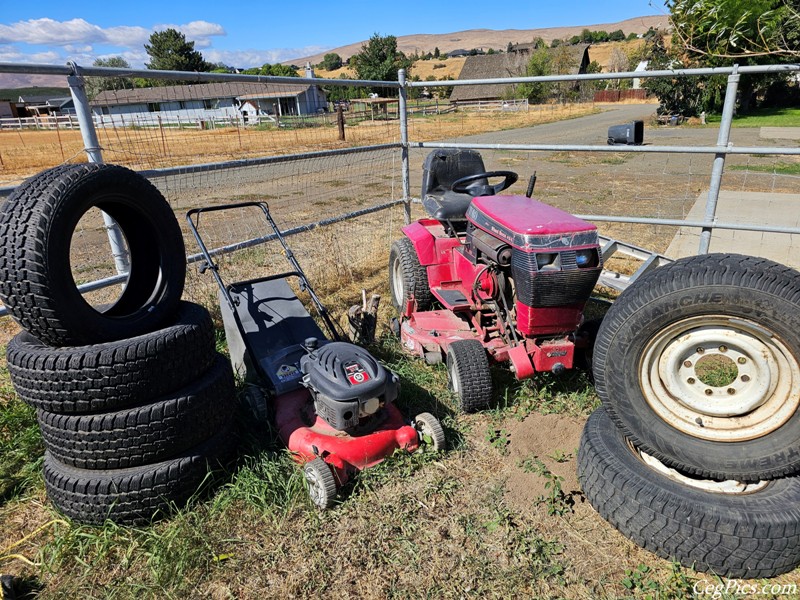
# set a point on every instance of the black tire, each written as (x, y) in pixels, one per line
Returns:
(114, 375)
(468, 374)
(145, 434)
(407, 277)
(739, 311)
(743, 535)
(137, 495)
(320, 483)
(584, 356)
(36, 226)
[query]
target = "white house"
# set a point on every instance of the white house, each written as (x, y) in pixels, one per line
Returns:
(207, 101)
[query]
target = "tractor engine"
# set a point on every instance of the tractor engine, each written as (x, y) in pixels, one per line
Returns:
(554, 259)
(348, 385)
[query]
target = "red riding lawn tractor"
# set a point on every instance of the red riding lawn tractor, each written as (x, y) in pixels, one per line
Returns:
(491, 276)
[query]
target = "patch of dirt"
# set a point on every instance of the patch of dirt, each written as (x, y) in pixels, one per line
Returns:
(543, 437)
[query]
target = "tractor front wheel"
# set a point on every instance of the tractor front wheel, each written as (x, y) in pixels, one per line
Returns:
(468, 374)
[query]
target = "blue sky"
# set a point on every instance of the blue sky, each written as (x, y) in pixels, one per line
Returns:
(246, 34)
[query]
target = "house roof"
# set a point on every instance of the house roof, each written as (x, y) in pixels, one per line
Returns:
(506, 64)
(200, 91)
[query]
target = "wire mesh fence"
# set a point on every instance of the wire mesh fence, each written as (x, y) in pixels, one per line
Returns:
(313, 155)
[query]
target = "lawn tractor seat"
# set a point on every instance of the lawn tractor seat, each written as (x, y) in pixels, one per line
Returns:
(442, 167)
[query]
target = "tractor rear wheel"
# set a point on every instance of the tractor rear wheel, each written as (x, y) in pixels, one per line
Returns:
(407, 277)
(468, 374)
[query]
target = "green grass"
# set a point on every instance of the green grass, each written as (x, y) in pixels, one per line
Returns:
(20, 443)
(781, 168)
(766, 117)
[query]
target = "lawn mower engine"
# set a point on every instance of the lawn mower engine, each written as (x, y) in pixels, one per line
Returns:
(543, 259)
(350, 388)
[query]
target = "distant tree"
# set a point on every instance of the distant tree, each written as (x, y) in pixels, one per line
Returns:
(632, 36)
(618, 62)
(538, 65)
(599, 36)
(556, 43)
(586, 36)
(616, 36)
(170, 51)
(275, 70)
(490, 51)
(510, 47)
(221, 68)
(539, 43)
(436, 52)
(379, 59)
(95, 85)
(331, 62)
(575, 39)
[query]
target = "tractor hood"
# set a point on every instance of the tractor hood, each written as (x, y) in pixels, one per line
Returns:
(528, 224)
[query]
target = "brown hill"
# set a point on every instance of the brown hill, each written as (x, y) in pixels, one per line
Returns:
(489, 38)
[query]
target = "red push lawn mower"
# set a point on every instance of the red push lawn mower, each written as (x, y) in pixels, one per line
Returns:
(493, 277)
(332, 401)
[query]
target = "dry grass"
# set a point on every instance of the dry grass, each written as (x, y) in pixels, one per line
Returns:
(23, 153)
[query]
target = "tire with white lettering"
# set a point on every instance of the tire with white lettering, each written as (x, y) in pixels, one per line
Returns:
(729, 528)
(698, 362)
(37, 223)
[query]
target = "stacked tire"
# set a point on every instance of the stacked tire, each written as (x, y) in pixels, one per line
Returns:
(134, 403)
(695, 453)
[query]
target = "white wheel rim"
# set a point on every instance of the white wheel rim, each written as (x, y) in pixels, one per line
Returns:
(729, 486)
(455, 384)
(316, 488)
(764, 394)
(397, 282)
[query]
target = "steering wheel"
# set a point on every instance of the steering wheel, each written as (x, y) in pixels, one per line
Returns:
(462, 186)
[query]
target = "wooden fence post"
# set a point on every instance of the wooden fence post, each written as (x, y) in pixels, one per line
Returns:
(340, 121)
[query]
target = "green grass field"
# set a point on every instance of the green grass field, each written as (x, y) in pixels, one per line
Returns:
(767, 117)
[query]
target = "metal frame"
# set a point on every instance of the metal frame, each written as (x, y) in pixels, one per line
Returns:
(75, 73)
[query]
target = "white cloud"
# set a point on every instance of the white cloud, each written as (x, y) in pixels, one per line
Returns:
(76, 32)
(255, 58)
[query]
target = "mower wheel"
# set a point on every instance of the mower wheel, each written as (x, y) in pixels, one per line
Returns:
(430, 431)
(730, 528)
(407, 277)
(148, 433)
(320, 482)
(468, 374)
(37, 284)
(113, 375)
(698, 362)
(255, 400)
(138, 495)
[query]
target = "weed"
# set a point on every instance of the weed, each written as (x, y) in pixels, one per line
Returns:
(560, 456)
(557, 502)
(643, 582)
(498, 439)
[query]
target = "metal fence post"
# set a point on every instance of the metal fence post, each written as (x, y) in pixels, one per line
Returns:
(723, 138)
(403, 107)
(91, 145)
